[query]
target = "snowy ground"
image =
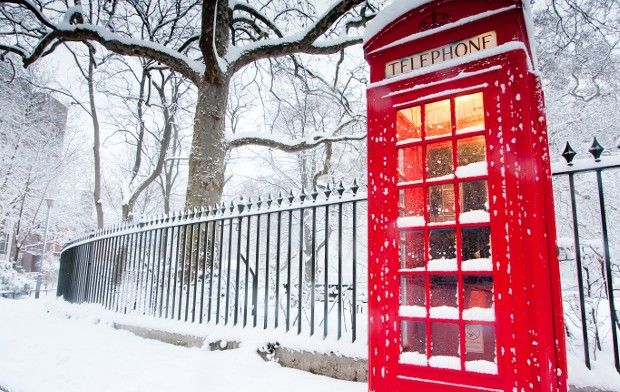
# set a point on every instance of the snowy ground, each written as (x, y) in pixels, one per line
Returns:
(42, 350)
(51, 345)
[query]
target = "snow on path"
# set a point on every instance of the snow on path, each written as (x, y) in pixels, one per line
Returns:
(40, 351)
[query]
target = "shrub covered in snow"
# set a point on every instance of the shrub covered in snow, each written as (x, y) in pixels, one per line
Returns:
(13, 282)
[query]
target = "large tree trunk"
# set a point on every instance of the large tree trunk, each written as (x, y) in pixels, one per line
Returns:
(207, 159)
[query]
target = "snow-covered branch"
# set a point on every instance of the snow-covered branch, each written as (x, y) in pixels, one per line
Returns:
(50, 34)
(208, 33)
(286, 144)
(258, 15)
(303, 42)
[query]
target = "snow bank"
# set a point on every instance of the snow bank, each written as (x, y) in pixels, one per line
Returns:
(481, 264)
(481, 367)
(475, 169)
(476, 216)
(445, 312)
(45, 350)
(412, 311)
(53, 336)
(603, 374)
(445, 362)
(479, 314)
(14, 282)
(410, 221)
(447, 26)
(413, 358)
(442, 265)
(248, 337)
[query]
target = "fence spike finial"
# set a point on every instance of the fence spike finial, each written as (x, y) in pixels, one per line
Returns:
(223, 207)
(328, 191)
(259, 201)
(302, 195)
(269, 200)
(291, 197)
(596, 150)
(232, 206)
(241, 204)
(355, 187)
(340, 189)
(314, 194)
(280, 198)
(249, 203)
(569, 154)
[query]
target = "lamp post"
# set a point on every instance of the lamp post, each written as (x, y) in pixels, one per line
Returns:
(9, 223)
(50, 204)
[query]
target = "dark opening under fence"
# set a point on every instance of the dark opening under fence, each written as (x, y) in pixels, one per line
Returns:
(298, 262)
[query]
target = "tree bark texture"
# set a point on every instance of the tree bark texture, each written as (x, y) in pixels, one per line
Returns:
(207, 160)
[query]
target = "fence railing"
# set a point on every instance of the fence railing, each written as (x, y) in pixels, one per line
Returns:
(297, 262)
(587, 220)
(294, 262)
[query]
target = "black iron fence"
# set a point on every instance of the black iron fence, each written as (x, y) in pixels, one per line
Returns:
(587, 209)
(295, 262)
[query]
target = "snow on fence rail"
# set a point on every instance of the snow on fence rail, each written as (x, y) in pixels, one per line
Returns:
(294, 262)
(298, 262)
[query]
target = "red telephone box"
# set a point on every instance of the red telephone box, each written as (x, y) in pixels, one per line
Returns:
(464, 290)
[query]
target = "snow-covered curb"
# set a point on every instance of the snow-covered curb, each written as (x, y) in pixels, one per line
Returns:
(212, 333)
(602, 376)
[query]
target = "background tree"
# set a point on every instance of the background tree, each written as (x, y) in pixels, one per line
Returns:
(146, 113)
(86, 65)
(577, 42)
(207, 42)
(37, 159)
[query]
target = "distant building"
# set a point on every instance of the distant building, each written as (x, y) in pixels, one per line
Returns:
(43, 112)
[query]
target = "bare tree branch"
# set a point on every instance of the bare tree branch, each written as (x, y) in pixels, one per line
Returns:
(115, 42)
(303, 43)
(292, 146)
